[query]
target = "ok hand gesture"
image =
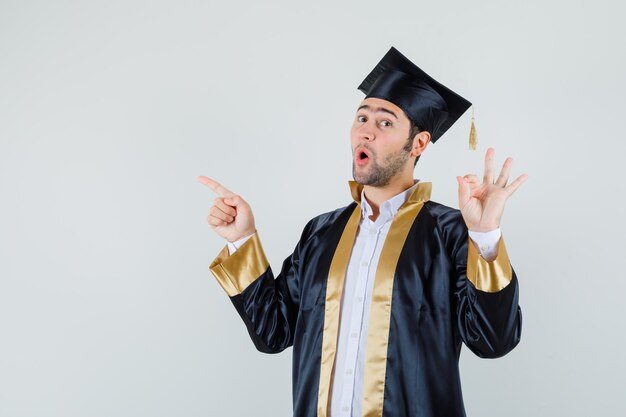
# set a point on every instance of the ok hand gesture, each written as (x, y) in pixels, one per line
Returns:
(231, 216)
(482, 204)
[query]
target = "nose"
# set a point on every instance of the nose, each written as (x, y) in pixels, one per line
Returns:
(366, 132)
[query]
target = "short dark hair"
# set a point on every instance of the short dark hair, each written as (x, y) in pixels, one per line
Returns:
(413, 130)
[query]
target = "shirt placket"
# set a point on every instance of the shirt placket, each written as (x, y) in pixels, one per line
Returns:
(356, 322)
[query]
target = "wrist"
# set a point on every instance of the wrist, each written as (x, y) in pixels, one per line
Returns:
(484, 228)
(244, 234)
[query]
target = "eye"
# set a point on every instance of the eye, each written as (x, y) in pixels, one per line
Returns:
(361, 119)
(385, 123)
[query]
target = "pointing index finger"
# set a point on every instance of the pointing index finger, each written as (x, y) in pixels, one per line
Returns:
(215, 186)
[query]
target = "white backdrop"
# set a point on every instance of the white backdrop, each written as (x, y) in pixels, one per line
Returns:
(110, 109)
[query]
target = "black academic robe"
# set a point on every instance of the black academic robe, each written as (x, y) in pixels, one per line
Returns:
(432, 292)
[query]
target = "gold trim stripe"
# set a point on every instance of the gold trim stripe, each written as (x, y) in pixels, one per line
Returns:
(235, 272)
(380, 315)
(488, 276)
(334, 289)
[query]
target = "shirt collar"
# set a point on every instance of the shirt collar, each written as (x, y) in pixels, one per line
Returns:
(390, 207)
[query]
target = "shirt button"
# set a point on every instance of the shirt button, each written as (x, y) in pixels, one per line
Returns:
(345, 409)
(373, 231)
(484, 247)
(354, 335)
(364, 263)
(359, 299)
(349, 372)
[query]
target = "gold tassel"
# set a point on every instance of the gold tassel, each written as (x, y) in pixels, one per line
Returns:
(472, 137)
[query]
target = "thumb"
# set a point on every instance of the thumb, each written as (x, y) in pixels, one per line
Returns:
(233, 201)
(464, 191)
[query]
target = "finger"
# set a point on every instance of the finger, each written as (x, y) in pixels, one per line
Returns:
(472, 179)
(504, 174)
(515, 184)
(216, 212)
(474, 184)
(234, 200)
(464, 191)
(214, 221)
(215, 186)
(488, 177)
(219, 202)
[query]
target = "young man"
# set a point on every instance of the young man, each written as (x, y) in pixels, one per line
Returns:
(378, 296)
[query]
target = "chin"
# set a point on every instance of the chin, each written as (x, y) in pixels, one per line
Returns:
(358, 178)
(361, 180)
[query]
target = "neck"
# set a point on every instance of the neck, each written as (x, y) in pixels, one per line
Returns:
(378, 195)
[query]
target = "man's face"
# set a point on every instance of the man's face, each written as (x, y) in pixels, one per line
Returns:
(380, 142)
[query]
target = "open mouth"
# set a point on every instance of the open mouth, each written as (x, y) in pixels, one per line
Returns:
(361, 157)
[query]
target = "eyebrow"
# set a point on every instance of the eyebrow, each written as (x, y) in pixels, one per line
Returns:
(377, 109)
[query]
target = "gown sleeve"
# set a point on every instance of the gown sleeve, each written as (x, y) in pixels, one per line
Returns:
(486, 296)
(268, 305)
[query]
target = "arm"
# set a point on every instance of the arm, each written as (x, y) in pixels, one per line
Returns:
(267, 305)
(486, 292)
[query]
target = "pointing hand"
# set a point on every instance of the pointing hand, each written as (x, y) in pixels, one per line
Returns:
(230, 216)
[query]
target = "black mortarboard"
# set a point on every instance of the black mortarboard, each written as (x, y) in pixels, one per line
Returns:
(430, 105)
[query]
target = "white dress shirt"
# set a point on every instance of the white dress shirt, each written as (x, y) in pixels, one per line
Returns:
(347, 386)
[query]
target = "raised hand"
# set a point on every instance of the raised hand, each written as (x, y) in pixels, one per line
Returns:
(482, 204)
(230, 216)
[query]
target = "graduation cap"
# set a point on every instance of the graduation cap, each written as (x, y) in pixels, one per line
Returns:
(432, 106)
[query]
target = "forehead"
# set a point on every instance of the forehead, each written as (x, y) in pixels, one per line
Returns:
(375, 103)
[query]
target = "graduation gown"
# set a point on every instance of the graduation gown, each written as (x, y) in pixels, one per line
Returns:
(432, 292)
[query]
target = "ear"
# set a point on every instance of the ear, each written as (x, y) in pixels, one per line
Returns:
(420, 142)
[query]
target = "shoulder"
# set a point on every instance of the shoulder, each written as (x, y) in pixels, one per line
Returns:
(442, 214)
(449, 224)
(329, 219)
